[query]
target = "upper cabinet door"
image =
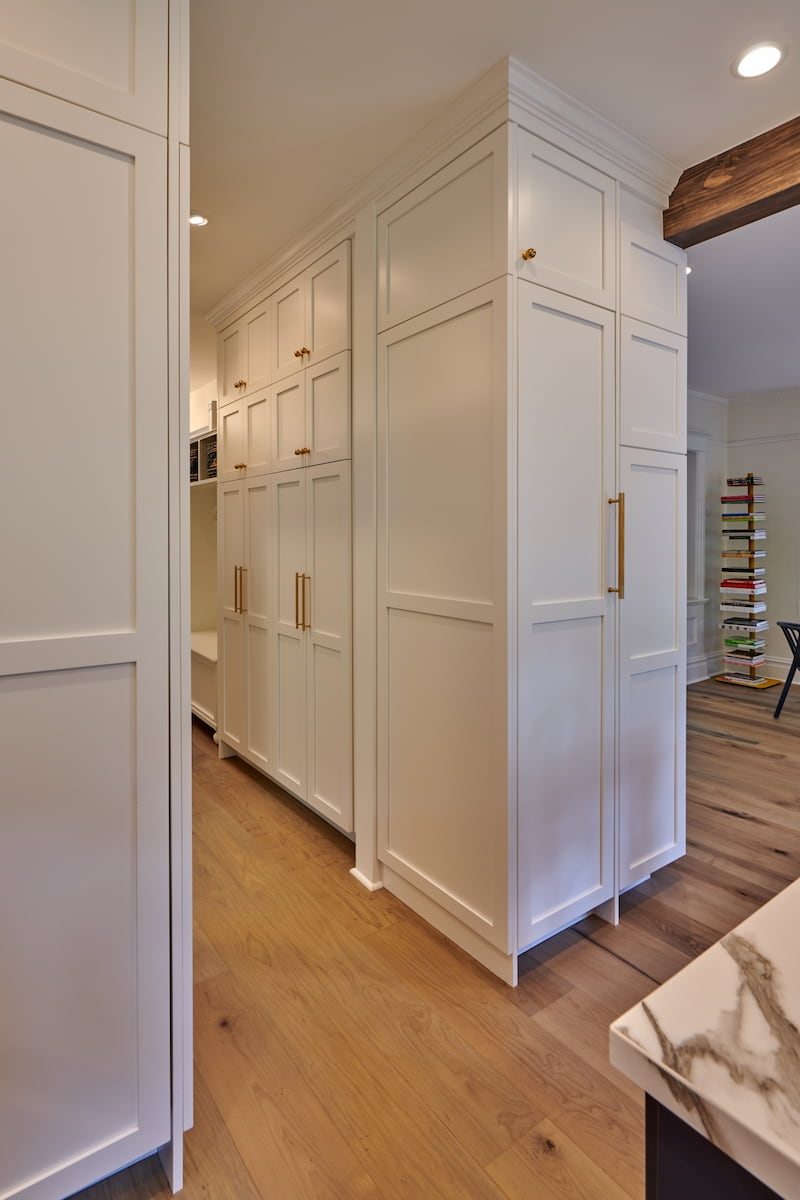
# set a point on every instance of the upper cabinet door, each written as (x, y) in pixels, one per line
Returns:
(244, 354)
(446, 236)
(566, 214)
(311, 314)
(652, 280)
(111, 58)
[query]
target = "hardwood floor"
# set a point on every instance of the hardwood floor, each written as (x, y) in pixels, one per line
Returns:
(346, 1051)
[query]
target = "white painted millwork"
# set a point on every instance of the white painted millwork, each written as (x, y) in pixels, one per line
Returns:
(311, 415)
(652, 405)
(311, 653)
(244, 431)
(566, 212)
(652, 664)
(652, 279)
(93, 702)
(244, 354)
(311, 314)
(519, 689)
(244, 521)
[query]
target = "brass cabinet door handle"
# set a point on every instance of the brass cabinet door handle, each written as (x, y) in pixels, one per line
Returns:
(239, 466)
(620, 588)
(297, 600)
(528, 254)
(236, 589)
(242, 573)
(240, 383)
(306, 612)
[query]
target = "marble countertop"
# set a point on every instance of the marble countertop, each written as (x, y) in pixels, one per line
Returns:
(719, 1043)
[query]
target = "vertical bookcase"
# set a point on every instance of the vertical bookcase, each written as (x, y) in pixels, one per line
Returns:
(743, 587)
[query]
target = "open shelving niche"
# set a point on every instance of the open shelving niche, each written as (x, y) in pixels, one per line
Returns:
(202, 482)
(743, 587)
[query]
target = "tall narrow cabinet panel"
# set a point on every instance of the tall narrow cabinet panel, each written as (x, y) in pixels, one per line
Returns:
(652, 387)
(85, 623)
(441, 490)
(652, 686)
(565, 465)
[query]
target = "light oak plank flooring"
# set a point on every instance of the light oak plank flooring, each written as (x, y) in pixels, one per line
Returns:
(346, 1051)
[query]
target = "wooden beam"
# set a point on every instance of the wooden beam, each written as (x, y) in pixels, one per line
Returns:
(754, 180)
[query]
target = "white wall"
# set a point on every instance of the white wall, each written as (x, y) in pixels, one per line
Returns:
(202, 374)
(708, 438)
(764, 437)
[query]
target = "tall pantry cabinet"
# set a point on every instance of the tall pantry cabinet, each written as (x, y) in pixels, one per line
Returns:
(94, 698)
(531, 458)
(284, 548)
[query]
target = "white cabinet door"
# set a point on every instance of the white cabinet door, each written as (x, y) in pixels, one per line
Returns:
(652, 387)
(311, 415)
(565, 728)
(566, 213)
(311, 640)
(329, 638)
(84, 644)
(652, 279)
(230, 663)
(311, 314)
(442, 635)
(256, 602)
(652, 652)
(289, 633)
(111, 58)
(244, 354)
(244, 432)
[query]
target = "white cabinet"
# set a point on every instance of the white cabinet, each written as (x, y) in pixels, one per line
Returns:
(311, 415)
(244, 430)
(311, 314)
(244, 523)
(311, 639)
(530, 651)
(566, 214)
(244, 354)
(90, 635)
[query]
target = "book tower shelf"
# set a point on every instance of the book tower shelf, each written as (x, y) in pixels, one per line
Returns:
(743, 589)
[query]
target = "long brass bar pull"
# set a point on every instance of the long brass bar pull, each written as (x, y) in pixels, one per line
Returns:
(242, 573)
(236, 589)
(306, 612)
(620, 588)
(297, 624)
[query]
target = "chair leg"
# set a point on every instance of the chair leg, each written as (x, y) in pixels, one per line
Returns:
(786, 687)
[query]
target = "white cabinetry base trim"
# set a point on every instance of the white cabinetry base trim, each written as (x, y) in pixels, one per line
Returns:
(372, 885)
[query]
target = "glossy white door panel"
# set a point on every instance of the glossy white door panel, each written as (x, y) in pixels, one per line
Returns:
(652, 280)
(327, 301)
(652, 637)
(652, 387)
(447, 236)
(565, 733)
(289, 647)
(329, 639)
(84, 645)
(108, 57)
(566, 212)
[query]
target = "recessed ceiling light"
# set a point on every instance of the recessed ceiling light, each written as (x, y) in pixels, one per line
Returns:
(198, 219)
(757, 60)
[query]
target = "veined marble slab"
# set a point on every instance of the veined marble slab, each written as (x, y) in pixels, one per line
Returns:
(719, 1043)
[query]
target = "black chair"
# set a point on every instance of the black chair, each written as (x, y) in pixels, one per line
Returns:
(791, 631)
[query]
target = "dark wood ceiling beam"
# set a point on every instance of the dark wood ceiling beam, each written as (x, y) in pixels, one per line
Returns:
(754, 180)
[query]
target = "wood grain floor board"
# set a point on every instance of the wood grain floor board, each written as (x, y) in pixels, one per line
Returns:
(346, 1049)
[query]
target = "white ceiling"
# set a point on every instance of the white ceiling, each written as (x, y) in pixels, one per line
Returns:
(293, 102)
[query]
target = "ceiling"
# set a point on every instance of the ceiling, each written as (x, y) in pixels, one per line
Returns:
(294, 102)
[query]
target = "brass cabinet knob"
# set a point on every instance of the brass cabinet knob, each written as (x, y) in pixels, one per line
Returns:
(301, 352)
(299, 450)
(240, 383)
(239, 466)
(528, 254)
(298, 353)
(303, 450)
